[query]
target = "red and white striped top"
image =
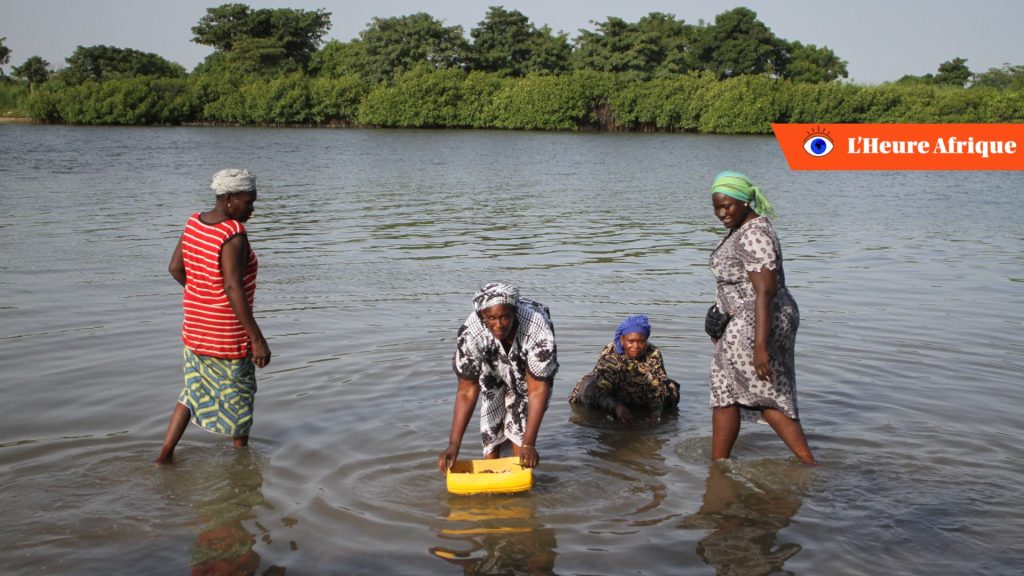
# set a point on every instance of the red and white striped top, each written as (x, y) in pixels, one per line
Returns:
(211, 327)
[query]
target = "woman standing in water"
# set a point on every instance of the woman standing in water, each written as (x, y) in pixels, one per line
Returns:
(223, 343)
(753, 370)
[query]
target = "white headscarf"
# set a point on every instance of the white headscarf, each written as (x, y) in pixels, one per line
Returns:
(232, 180)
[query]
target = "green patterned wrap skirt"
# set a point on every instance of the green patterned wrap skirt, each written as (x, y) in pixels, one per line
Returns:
(219, 393)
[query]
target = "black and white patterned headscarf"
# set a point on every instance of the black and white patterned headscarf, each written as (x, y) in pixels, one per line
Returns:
(496, 293)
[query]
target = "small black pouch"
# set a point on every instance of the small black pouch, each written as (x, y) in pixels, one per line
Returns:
(715, 322)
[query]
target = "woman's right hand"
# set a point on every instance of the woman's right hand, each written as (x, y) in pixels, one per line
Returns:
(447, 458)
(622, 413)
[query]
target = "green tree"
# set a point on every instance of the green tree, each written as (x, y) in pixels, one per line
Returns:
(738, 44)
(809, 63)
(550, 52)
(506, 43)
(281, 38)
(954, 73)
(1008, 77)
(5, 55)
(501, 42)
(657, 44)
(911, 80)
(107, 62)
(338, 59)
(394, 45)
(34, 70)
(610, 48)
(665, 43)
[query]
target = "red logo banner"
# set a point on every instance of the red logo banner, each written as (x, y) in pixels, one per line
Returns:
(902, 146)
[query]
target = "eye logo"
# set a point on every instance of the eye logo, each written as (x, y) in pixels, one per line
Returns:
(818, 143)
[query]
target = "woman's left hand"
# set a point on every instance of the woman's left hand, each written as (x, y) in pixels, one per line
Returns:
(260, 352)
(762, 364)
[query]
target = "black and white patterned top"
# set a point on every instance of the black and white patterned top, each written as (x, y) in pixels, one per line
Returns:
(502, 376)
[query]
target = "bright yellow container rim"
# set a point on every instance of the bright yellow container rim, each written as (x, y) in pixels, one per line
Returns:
(498, 476)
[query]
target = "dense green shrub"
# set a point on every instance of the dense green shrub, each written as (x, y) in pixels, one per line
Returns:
(283, 100)
(1002, 106)
(14, 98)
(826, 103)
(742, 105)
(420, 98)
(544, 103)
(478, 92)
(44, 104)
(336, 100)
(125, 101)
(175, 101)
(452, 98)
(220, 99)
(671, 104)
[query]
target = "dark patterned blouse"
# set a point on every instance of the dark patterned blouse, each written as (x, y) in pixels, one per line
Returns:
(619, 379)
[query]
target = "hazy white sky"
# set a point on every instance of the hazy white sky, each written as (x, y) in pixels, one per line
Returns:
(881, 40)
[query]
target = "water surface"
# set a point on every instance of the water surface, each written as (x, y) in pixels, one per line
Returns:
(371, 243)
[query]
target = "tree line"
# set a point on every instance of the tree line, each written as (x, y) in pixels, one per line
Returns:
(272, 67)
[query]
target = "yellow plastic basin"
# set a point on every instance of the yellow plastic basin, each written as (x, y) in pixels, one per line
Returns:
(498, 476)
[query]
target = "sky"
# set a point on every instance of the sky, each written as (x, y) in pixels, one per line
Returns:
(881, 40)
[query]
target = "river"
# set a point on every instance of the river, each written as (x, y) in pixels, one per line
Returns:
(371, 245)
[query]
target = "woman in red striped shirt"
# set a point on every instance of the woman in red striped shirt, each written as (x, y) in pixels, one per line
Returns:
(223, 343)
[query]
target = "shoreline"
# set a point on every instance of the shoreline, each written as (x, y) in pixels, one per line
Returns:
(17, 120)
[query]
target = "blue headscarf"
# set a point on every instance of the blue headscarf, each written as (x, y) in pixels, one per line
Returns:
(631, 325)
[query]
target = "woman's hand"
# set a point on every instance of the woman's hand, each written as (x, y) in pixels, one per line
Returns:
(766, 285)
(448, 457)
(528, 457)
(762, 363)
(260, 352)
(622, 414)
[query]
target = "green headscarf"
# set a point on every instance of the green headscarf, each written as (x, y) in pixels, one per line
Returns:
(739, 186)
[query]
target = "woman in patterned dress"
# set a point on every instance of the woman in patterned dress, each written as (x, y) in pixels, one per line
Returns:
(629, 376)
(753, 374)
(506, 356)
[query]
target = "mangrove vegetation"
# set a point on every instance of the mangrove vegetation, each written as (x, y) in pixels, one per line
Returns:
(660, 73)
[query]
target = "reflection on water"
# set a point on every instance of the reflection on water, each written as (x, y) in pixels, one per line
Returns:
(744, 517)
(492, 534)
(225, 492)
(632, 453)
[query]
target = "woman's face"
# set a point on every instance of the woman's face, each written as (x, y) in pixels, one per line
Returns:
(500, 320)
(730, 211)
(240, 205)
(634, 345)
